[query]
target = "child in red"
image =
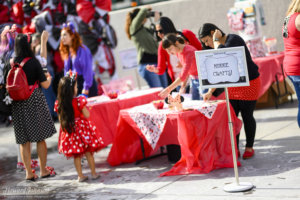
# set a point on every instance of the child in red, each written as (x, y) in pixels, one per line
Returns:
(77, 134)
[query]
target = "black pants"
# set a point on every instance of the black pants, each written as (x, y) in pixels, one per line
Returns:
(93, 91)
(246, 108)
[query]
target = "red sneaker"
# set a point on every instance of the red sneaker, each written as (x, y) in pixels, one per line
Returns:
(248, 154)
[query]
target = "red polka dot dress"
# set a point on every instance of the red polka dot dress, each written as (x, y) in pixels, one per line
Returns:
(84, 138)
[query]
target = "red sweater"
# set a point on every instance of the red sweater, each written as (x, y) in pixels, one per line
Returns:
(291, 62)
(188, 61)
(164, 58)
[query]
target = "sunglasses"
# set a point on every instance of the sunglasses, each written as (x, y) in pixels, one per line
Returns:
(285, 32)
(159, 31)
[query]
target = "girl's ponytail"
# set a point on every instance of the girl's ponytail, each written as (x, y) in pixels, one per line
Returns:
(171, 39)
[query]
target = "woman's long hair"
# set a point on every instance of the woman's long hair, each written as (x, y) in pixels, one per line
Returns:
(22, 46)
(129, 17)
(65, 96)
(65, 50)
(167, 25)
(205, 30)
(293, 7)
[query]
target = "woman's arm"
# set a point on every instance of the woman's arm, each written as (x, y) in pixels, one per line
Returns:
(164, 93)
(137, 22)
(44, 39)
(87, 69)
(297, 22)
(47, 83)
(193, 40)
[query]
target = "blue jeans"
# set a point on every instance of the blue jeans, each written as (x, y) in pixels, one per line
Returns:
(296, 81)
(50, 95)
(196, 90)
(153, 79)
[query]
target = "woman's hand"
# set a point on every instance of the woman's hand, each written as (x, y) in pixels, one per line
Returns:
(164, 93)
(207, 96)
(86, 92)
(152, 68)
(182, 90)
(217, 34)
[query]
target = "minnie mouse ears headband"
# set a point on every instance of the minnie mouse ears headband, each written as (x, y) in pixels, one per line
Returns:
(69, 25)
(72, 76)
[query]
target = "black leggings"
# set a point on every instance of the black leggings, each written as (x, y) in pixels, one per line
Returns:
(246, 108)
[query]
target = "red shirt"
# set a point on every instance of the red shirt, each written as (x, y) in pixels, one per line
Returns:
(291, 62)
(188, 61)
(164, 58)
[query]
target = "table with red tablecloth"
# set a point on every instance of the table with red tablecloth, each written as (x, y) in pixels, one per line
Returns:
(204, 142)
(269, 68)
(104, 112)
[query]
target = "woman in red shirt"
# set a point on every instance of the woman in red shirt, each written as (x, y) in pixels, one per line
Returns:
(175, 45)
(291, 39)
(165, 60)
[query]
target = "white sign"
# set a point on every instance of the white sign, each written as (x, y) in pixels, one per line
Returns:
(225, 67)
(128, 58)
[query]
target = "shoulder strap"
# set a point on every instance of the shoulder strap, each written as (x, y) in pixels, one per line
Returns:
(24, 61)
(137, 31)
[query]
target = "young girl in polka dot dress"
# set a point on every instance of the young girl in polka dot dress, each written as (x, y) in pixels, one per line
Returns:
(77, 134)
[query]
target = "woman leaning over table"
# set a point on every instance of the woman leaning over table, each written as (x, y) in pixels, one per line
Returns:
(169, 61)
(242, 99)
(291, 39)
(175, 45)
(78, 58)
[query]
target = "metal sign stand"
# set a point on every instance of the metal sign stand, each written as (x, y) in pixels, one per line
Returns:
(238, 186)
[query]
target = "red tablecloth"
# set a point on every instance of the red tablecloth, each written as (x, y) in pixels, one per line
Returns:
(104, 113)
(205, 143)
(269, 66)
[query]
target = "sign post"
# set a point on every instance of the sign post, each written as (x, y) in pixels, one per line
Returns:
(223, 68)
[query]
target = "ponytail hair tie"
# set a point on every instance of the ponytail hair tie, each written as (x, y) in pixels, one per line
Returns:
(69, 25)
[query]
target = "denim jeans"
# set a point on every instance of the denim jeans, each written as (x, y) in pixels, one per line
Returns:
(50, 95)
(153, 79)
(195, 90)
(296, 81)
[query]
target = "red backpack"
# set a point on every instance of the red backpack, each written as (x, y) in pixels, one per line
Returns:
(17, 84)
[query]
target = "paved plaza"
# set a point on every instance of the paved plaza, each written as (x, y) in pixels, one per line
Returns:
(274, 170)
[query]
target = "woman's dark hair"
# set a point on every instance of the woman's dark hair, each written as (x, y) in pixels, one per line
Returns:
(171, 39)
(206, 29)
(22, 47)
(65, 96)
(167, 25)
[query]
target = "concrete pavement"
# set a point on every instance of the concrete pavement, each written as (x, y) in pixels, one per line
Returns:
(274, 170)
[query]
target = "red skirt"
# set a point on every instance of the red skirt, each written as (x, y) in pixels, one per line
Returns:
(249, 93)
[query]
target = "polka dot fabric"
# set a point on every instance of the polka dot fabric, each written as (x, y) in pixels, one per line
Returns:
(248, 93)
(84, 138)
(32, 119)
